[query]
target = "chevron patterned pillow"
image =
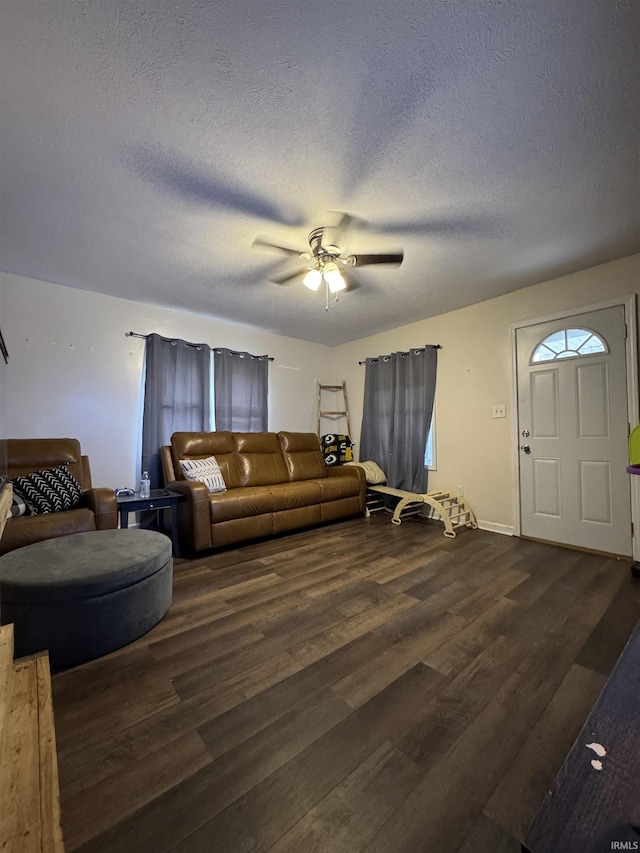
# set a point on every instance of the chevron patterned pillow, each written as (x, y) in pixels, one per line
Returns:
(19, 506)
(51, 490)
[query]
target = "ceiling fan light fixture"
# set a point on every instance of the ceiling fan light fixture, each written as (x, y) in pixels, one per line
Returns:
(324, 263)
(312, 279)
(333, 277)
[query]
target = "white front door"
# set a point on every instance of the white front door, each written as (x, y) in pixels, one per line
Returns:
(573, 431)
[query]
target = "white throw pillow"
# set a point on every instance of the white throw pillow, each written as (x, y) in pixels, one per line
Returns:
(205, 471)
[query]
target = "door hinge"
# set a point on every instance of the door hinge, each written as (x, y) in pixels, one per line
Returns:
(632, 530)
(625, 330)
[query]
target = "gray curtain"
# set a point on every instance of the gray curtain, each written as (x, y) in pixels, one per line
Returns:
(241, 390)
(176, 396)
(399, 391)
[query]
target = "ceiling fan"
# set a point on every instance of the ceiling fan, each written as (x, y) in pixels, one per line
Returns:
(325, 261)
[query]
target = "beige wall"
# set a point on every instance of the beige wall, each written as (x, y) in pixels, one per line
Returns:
(74, 373)
(474, 372)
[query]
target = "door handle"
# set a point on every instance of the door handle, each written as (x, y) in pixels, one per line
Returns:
(525, 448)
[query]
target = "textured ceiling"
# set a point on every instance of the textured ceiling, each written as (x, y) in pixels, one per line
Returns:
(145, 143)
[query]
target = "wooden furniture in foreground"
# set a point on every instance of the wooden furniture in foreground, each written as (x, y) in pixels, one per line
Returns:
(594, 803)
(29, 791)
(6, 496)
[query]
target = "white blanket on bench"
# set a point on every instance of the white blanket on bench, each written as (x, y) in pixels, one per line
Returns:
(373, 473)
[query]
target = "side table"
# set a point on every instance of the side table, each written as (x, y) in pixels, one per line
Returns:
(158, 499)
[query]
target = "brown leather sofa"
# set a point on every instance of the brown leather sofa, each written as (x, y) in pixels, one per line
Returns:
(99, 510)
(275, 482)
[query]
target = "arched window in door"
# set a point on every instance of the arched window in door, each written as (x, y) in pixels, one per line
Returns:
(568, 343)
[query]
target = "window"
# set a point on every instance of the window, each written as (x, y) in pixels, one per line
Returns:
(176, 396)
(398, 402)
(241, 383)
(568, 343)
(430, 450)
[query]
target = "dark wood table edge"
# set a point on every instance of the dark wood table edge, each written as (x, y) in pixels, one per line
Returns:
(614, 686)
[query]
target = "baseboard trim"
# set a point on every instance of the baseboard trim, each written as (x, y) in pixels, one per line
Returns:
(504, 529)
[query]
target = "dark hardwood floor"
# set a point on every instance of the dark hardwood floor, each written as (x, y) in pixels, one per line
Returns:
(357, 687)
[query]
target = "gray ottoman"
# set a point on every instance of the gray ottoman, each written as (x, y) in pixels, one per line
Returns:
(84, 595)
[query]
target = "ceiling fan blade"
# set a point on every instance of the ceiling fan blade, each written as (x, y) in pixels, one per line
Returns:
(178, 176)
(336, 235)
(472, 226)
(367, 260)
(288, 276)
(263, 243)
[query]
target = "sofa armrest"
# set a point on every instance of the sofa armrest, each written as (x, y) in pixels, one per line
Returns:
(104, 505)
(352, 471)
(194, 514)
(348, 471)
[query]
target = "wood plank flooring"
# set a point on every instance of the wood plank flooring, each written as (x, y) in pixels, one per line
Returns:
(356, 687)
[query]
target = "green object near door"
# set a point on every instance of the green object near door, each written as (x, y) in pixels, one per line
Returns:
(634, 446)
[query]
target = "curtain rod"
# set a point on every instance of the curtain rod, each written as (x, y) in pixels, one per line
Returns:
(138, 335)
(413, 349)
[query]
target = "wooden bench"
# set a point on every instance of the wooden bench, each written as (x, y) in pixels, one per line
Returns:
(451, 509)
(594, 803)
(29, 790)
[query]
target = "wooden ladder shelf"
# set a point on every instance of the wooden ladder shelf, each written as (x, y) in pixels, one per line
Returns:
(29, 790)
(334, 413)
(451, 509)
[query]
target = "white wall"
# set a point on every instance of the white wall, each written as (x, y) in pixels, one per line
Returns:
(474, 372)
(73, 372)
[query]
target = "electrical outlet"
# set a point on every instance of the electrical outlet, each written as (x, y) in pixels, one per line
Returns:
(460, 491)
(499, 410)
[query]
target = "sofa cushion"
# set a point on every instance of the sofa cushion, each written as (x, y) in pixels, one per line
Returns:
(200, 445)
(240, 503)
(50, 490)
(335, 488)
(260, 459)
(26, 455)
(301, 452)
(205, 471)
(295, 495)
(34, 528)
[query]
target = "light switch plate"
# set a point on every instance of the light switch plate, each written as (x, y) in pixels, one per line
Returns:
(499, 411)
